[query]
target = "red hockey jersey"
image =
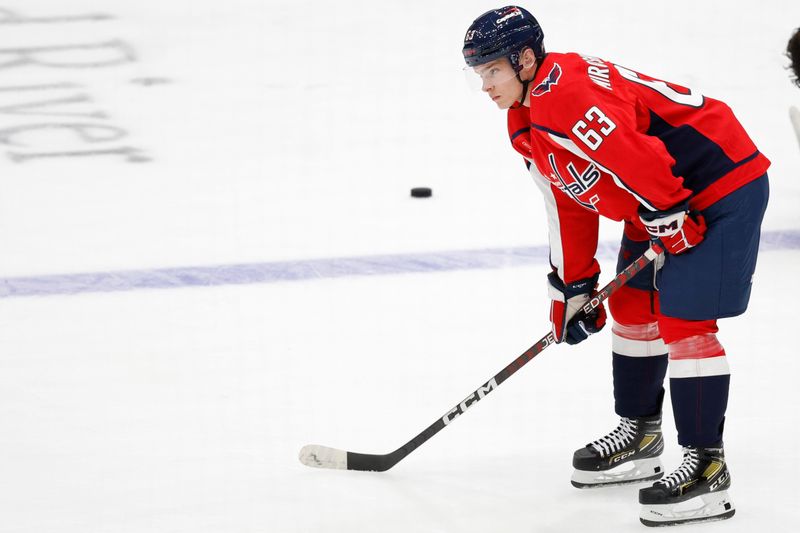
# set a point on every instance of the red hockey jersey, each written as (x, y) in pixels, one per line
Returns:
(601, 139)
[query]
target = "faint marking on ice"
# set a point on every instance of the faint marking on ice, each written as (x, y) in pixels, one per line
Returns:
(313, 269)
(150, 81)
(39, 87)
(12, 18)
(30, 55)
(134, 155)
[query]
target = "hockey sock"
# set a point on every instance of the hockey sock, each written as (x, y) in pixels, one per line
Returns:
(639, 367)
(699, 382)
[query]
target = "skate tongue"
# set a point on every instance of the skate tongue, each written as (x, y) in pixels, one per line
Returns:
(618, 439)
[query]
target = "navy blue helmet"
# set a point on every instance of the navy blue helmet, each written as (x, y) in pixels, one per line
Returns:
(503, 32)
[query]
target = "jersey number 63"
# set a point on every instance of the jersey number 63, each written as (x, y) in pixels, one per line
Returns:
(594, 129)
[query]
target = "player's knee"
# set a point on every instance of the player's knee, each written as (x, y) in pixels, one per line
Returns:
(697, 347)
(635, 330)
(677, 329)
(694, 350)
(632, 306)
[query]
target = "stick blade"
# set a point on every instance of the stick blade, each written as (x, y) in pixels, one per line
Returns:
(323, 457)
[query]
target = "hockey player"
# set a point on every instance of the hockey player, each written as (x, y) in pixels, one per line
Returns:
(601, 139)
(793, 53)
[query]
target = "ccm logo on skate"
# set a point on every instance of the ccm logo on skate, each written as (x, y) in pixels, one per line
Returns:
(620, 457)
(468, 402)
(722, 479)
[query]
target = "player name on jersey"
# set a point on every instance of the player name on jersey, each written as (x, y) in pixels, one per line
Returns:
(598, 71)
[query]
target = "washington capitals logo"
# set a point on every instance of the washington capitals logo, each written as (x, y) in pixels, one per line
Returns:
(507, 15)
(551, 79)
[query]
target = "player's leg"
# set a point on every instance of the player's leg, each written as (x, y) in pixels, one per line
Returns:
(699, 382)
(711, 281)
(629, 453)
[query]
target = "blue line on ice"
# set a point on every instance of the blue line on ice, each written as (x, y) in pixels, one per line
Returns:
(310, 269)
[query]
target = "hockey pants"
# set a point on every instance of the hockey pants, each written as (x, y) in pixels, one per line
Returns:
(669, 318)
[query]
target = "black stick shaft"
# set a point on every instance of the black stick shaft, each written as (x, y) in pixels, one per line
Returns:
(380, 463)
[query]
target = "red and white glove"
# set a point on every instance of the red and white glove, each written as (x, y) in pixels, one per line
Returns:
(569, 323)
(677, 228)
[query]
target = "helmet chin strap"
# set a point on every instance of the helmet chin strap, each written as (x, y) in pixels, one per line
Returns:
(525, 83)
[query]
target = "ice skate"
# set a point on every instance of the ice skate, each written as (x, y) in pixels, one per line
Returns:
(695, 492)
(629, 454)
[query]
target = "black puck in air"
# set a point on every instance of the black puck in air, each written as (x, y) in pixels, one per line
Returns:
(421, 192)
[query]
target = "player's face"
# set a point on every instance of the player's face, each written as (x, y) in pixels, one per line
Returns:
(499, 81)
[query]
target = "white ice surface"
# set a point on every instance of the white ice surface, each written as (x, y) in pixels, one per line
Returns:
(288, 130)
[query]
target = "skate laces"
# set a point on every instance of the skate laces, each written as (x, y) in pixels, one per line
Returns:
(691, 459)
(618, 439)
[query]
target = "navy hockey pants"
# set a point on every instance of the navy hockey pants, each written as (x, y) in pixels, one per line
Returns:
(709, 282)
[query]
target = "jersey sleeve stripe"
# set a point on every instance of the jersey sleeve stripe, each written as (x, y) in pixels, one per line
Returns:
(548, 130)
(519, 132)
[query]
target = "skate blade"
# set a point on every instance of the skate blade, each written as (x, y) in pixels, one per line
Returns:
(715, 506)
(639, 471)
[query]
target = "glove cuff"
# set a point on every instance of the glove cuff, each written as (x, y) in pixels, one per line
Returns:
(664, 223)
(561, 292)
(649, 216)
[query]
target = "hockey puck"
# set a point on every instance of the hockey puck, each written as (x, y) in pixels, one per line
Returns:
(421, 192)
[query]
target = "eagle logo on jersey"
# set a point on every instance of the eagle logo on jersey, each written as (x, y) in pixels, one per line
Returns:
(551, 79)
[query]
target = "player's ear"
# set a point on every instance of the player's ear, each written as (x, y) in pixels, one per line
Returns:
(528, 59)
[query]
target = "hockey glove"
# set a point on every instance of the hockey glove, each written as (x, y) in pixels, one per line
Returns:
(677, 228)
(569, 322)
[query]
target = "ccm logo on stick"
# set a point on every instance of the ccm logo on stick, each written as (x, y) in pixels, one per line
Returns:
(476, 396)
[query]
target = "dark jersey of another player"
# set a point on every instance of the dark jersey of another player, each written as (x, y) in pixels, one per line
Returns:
(601, 139)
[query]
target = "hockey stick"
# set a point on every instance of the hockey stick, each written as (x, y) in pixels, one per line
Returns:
(325, 457)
